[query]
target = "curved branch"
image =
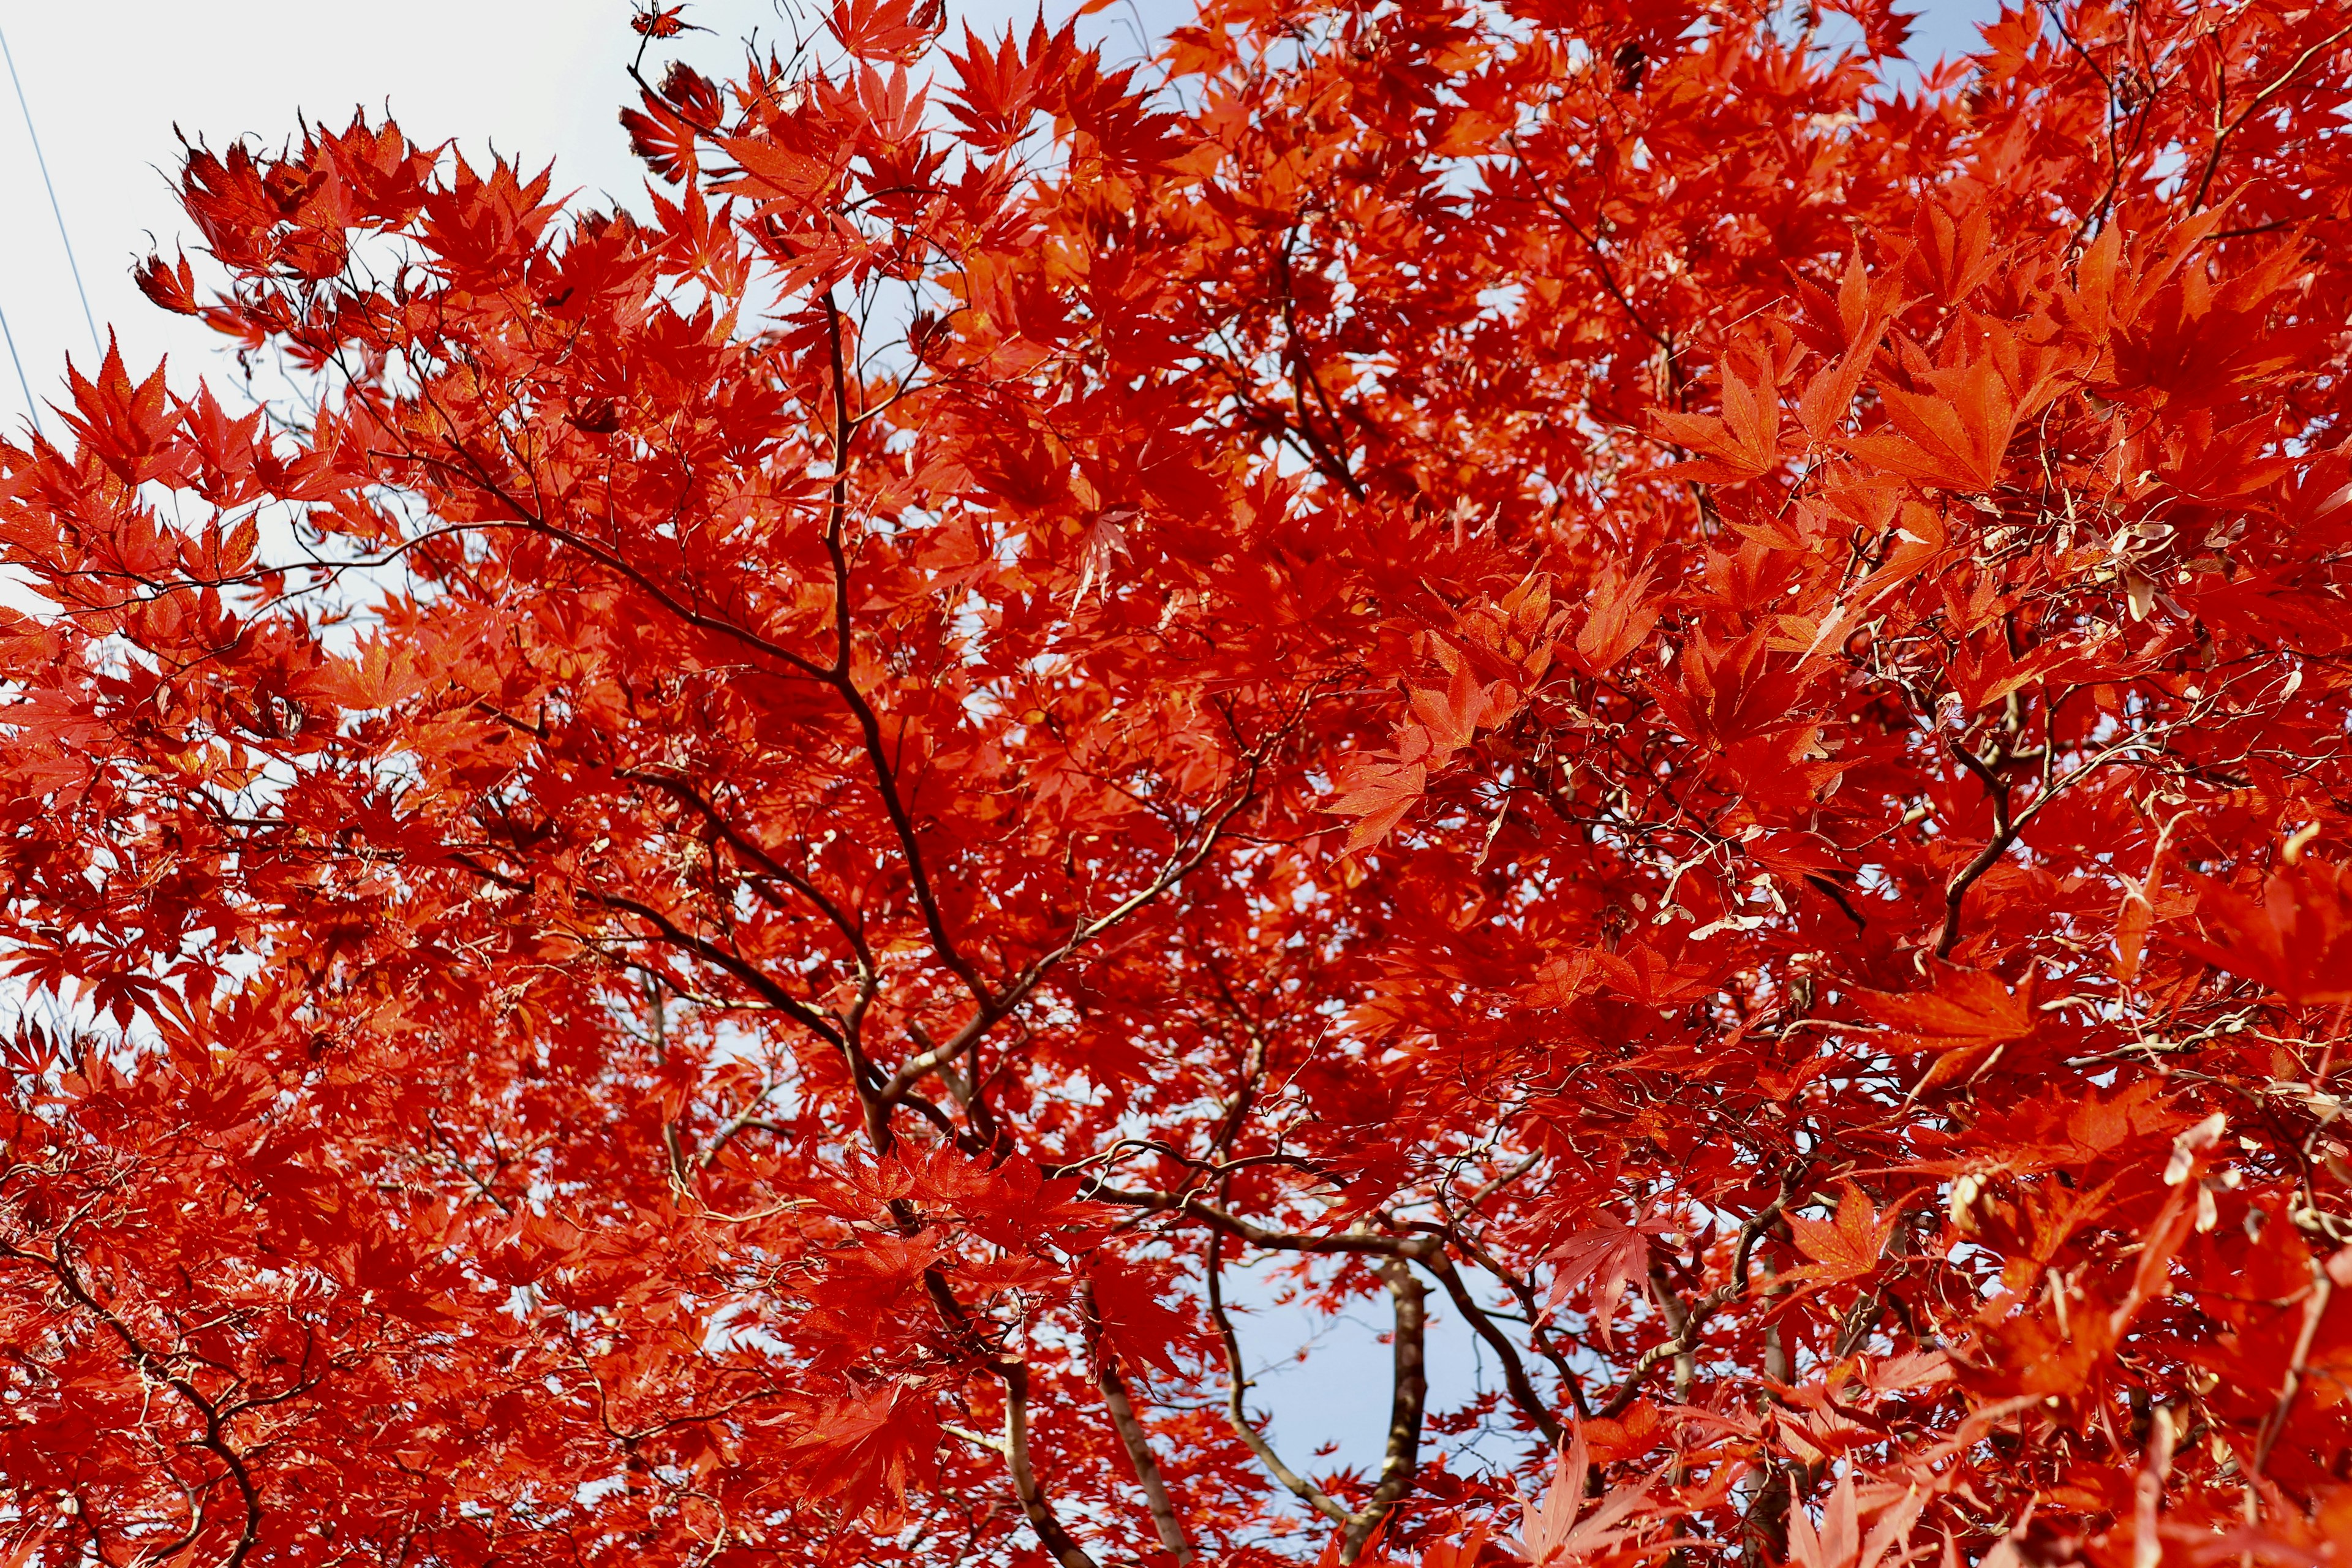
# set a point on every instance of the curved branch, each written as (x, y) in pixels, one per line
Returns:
(743, 844)
(1224, 1220)
(2213, 159)
(1407, 1403)
(1180, 864)
(1693, 1320)
(1237, 1384)
(1059, 1543)
(751, 974)
(1515, 1372)
(1133, 1436)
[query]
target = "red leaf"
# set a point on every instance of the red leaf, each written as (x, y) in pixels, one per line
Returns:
(1377, 793)
(1964, 1022)
(1844, 1248)
(868, 1447)
(1552, 1532)
(663, 22)
(1953, 431)
(1138, 1324)
(2296, 941)
(1607, 1258)
(1618, 618)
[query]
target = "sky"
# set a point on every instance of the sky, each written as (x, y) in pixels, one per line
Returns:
(107, 82)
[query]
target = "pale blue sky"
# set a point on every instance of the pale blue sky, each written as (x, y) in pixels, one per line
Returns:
(107, 81)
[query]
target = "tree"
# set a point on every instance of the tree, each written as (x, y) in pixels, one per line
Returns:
(1564, 664)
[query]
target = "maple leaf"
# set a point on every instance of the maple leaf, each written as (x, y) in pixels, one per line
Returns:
(171, 286)
(1377, 792)
(384, 675)
(2296, 940)
(1726, 694)
(896, 30)
(1838, 1541)
(1792, 854)
(1465, 1553)
(1743, 443)
(1644, 973)
(1845, 1247)
(1001, 92)
(663, 139)
(663, 22)
(1967, 1020)
(1450, 716)
(1106, 539)
(1954, 429)
(130, 429)
(1555, 1530)
(1139, 1325)
(1608, 1258)
(866, 1448)
(1852, 326)
(1620, 617)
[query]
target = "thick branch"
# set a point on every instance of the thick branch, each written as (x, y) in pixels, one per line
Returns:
(1329, 461)
(1137, 1442)
(1408, 1401)
(1057, 1542)
(1515, 1372)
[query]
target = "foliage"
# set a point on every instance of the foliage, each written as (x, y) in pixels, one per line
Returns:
(1563, 662)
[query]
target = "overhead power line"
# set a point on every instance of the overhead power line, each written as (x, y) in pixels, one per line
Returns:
(32, 409)
(57, 212)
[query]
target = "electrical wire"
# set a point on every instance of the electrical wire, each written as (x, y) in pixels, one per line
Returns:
(88, 320)
(32, 409)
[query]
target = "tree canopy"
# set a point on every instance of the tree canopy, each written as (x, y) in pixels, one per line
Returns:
(732, 881)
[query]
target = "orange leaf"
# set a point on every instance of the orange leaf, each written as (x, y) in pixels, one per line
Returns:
(1619, 620)
(1968, 1010)
(1845, 1247)
(1378, 792)
(1952, 434)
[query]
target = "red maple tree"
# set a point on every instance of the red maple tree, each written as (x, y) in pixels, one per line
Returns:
(1565, 664)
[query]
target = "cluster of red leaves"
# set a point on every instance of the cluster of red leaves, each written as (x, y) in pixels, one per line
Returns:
(1559, 659)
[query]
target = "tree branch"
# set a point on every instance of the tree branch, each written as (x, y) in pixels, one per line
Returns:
(1133, 1436)
(1408, 1401)
(1237, 1385)
(1057, 1542)
(1515, 1372)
